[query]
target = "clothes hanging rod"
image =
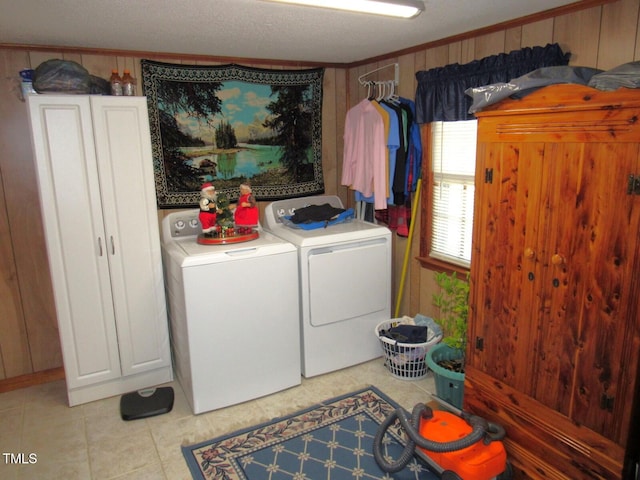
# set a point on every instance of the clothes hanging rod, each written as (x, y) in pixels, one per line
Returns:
(397, 73)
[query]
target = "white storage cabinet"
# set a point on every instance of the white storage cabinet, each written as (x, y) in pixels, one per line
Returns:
(97, 197)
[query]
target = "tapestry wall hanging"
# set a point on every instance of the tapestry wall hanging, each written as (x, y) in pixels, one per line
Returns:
(229, 124)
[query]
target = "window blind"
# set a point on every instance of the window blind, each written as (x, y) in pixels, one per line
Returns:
(453, 163)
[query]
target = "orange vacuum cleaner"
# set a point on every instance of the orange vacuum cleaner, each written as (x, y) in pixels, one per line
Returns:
(456, 446)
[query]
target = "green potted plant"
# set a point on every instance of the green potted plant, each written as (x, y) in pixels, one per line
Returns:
(446, 359)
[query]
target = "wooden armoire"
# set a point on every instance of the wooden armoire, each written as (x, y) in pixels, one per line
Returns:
(554, 326)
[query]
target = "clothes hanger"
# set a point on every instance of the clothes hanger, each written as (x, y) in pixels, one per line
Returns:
(381, 91)
(372, 91)
(392, 97)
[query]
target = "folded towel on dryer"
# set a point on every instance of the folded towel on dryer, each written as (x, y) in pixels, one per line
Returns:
(316, 213)
(317, 216)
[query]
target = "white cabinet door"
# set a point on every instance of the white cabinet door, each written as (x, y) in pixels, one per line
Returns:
(76, 243)
(125, 165)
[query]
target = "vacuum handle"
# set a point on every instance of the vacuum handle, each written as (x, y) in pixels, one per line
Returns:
(495, 431)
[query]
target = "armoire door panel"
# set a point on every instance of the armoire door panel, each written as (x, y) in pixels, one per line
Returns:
(586, 253)
(527, 266)
(491, 283)
(494, 355)
(560, 291)
(609, 252)
(508, 262)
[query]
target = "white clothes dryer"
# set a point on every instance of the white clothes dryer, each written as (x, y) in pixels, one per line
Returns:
(345, 285)
(234, 314)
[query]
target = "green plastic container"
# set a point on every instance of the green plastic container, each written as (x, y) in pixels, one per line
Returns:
(449, 384)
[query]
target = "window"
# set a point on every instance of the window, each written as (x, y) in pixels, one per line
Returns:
(449, 194)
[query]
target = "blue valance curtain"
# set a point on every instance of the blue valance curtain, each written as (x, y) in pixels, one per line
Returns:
(440, 94)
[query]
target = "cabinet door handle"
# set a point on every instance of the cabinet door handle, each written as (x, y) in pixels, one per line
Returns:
(529, 253)
(100, 245)
(113, 246)
(557, 259)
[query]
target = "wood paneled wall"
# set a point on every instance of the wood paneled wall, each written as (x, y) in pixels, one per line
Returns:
(602, 37)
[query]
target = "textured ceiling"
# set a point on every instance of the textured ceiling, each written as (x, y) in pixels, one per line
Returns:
(246, 28)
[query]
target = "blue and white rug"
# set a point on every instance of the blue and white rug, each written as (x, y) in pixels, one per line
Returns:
(331, 440)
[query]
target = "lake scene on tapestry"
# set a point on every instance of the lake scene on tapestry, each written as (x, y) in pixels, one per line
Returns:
(230, 124)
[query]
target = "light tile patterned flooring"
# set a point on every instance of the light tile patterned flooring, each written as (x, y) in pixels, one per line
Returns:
(91, 441)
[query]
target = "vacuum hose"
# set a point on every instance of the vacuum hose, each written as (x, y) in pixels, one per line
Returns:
(480, 428)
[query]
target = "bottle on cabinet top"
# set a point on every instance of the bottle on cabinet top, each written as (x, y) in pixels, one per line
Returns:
(128, 84)
(116, 83)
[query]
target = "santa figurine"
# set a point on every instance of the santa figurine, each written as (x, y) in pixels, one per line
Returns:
(246, 213)
(208, 209)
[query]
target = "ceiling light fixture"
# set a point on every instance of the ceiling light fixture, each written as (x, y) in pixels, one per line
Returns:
(392, 8)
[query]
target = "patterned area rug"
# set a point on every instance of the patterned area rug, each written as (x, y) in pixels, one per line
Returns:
(331, 440)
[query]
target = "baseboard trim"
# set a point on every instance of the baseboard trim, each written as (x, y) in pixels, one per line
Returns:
(30, 379)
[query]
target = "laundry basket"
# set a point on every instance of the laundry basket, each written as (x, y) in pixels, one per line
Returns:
(405, 361)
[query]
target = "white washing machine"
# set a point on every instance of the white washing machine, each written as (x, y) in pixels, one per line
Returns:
(234, 314)
(345, 285)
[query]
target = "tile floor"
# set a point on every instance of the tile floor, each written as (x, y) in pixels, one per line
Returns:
(91, 441)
